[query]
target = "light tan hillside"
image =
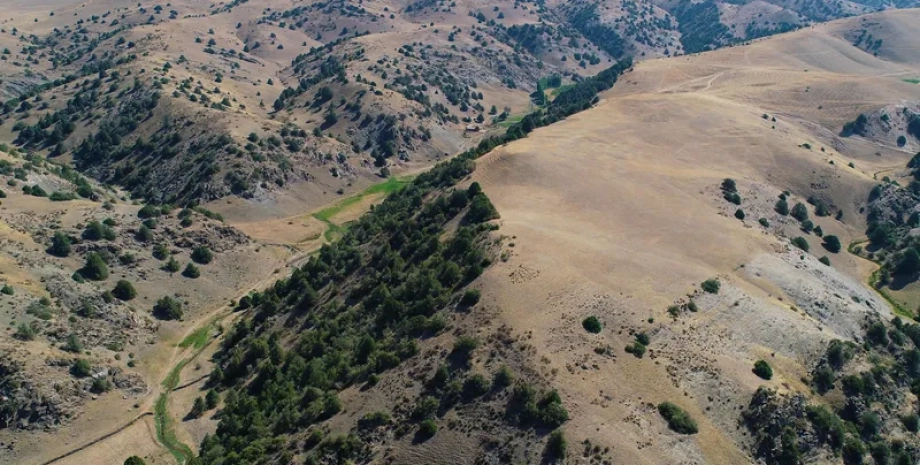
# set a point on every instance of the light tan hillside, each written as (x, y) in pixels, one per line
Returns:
(616, 212)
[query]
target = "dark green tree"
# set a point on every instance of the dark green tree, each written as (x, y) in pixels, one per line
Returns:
(124, 290)
(60, 245)
(95, 268)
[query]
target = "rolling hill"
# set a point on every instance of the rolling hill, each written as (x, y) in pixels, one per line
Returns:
(709, 262)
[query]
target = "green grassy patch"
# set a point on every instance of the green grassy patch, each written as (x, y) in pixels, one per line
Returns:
(511, 120)
(165, 432)
(559, 89)
(386, 188)
(197, 339)
(912, 81)
(898, 307)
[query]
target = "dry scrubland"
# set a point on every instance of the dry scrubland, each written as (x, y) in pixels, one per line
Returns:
(616, 212)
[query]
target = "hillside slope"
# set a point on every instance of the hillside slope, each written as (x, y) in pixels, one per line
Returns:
(617, 212)
(284, 103)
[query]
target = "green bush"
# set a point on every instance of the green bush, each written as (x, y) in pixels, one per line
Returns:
(470, 297)
(191, 271)
(144, 234)
(97, 231)
(58, 196)
(198, 408)
(60, 245)
(160, 252)
(503, 377)
(637, 349)
(168, 308)
(148, 211)
(763, 369)
(782, 207)
(202, 255)
(427, 429)
(801, 243)
(556, 445)
(24, 332)
(426, 408)
(832, 243)
(95, 268)
(100, 385)
(678, 420)
(134, 460)
(711, 286)
(853, 451)
(800, 211)
(764, 222)
(171, 265)
(592, 324)
(72, 344)
(212, 399)
(739, 213)
(911, 422)
(825, 260)
(475, 386)
(81, 368)
(7, 290)
(124, 290)
(481, 210)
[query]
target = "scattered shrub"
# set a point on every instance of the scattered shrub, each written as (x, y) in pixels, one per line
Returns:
(782, 207)
(678, 420)
(739, 213)
(763, 369)
(427, 429)
(711, 286)
(24, 332)
(171, 265)
(202, 255)
(556, 445)
(503, 377)
(60, 245)
(124, 290)
(191, 271)
(800, 211)
(470, 297)
(637, 349)
(592, 324)
(168, 308)
(95, 268)
(801, 243)
(81, 368)
(832, 243)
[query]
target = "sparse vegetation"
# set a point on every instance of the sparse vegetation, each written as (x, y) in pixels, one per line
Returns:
(711, 286)
(678, 420)
(763, 369)
(168, 308)
(592, 324)
(124, 290)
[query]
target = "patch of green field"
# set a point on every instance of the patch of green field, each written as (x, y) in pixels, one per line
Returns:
(165, 432)
(898, 307)
(559, 89)
(386, 188)
(512, 119)
(912, 81)
(197, 339)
